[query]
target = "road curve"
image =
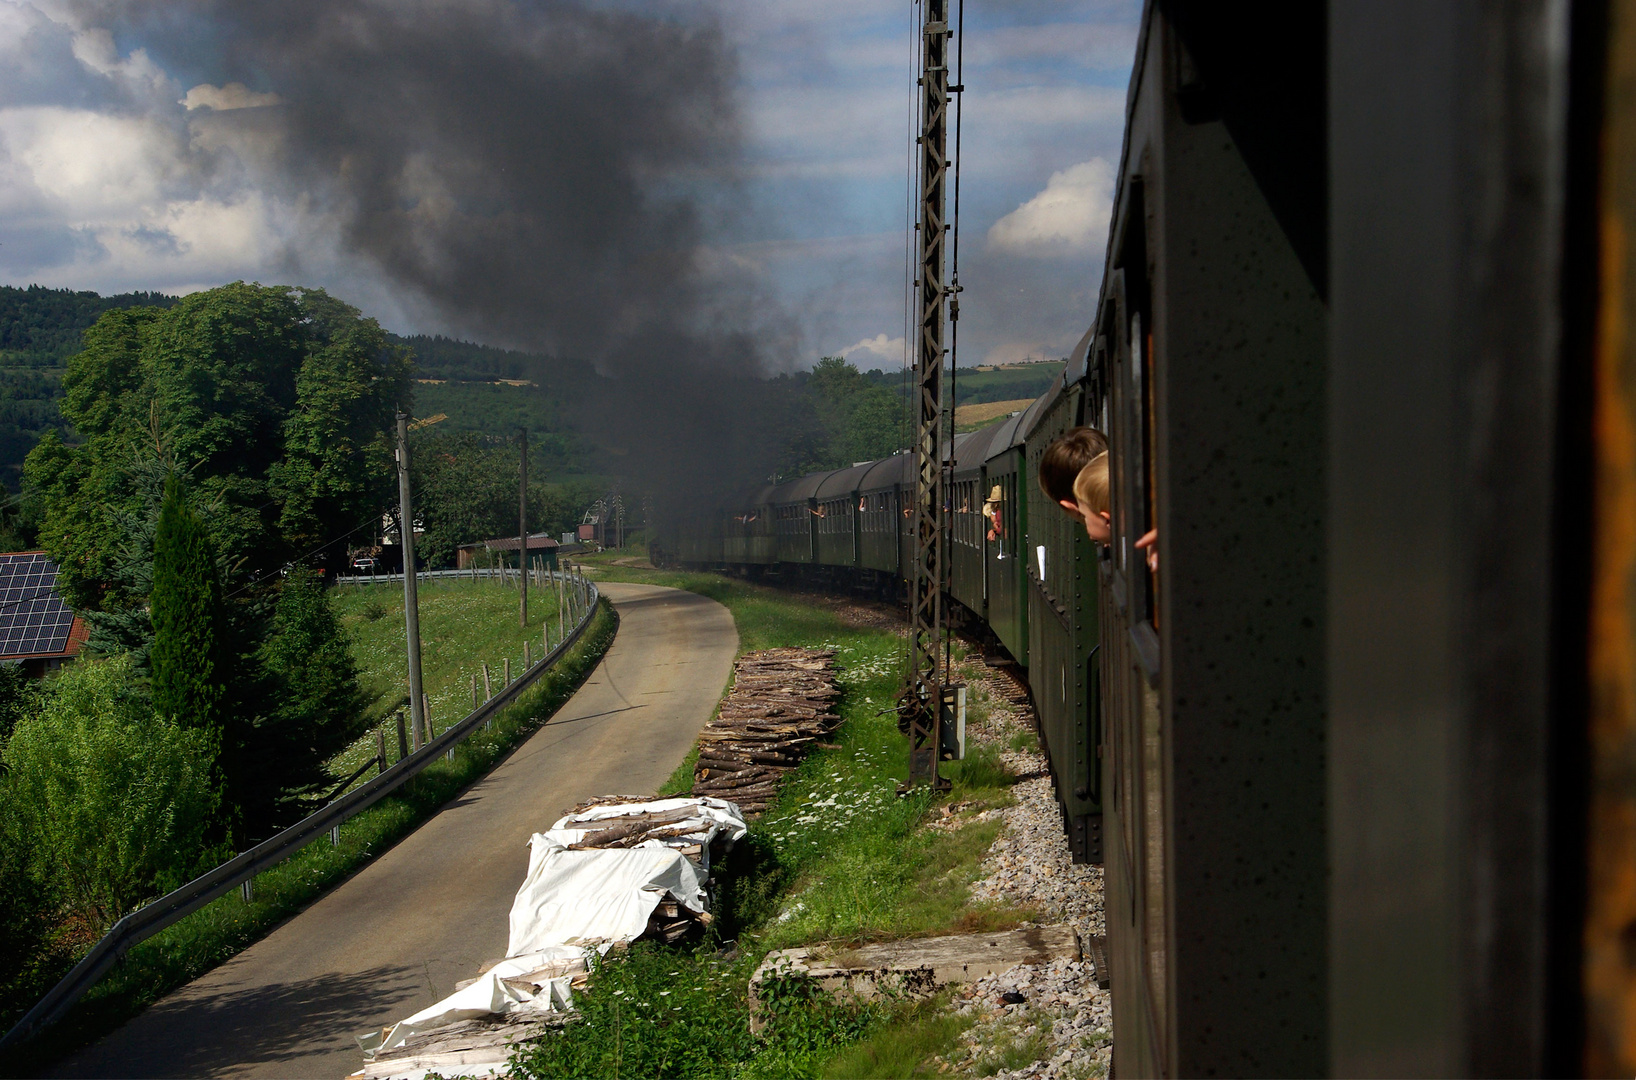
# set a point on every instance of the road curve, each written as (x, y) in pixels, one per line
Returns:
(398, 935)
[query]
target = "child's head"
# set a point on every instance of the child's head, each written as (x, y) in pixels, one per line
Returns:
(1063, 460)
(1092, 498)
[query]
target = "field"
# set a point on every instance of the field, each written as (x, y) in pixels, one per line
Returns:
(977, 386)
(463, 624)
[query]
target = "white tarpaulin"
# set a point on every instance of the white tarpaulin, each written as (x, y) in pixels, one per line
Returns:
(596, 895)
(572, 901)
(535, 982)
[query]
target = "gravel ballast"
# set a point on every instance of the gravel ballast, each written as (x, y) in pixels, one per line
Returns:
(1038, 1021)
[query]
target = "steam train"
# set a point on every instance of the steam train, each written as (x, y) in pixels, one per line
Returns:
(1357, 755)
(1018, 566)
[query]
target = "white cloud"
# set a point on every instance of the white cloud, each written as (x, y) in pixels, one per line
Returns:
(1070, 217)
(234, 95)
(880, 346)
(1096, 46)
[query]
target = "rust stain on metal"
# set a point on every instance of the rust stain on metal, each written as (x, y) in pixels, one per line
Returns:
(1610, 917)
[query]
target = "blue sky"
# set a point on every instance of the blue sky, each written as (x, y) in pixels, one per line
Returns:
(101, 186)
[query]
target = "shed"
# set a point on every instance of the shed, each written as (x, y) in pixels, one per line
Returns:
(542, 547)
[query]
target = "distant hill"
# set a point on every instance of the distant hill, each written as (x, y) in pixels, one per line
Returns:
(986, 383)
(40, 329)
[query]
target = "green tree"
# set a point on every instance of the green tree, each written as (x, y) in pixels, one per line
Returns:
(115, 804)
(277, 405)
(465, 488)
(320, 709)
(860, 420)
(190, 654)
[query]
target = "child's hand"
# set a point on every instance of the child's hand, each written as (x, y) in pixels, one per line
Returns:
(1150, 543)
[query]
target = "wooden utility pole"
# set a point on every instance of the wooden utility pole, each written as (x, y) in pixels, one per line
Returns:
(920, 705)
(522, 530)
(411, 608)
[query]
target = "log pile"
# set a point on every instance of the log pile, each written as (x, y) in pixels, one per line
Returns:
(673, 920)
(629, 830)
(781, 705)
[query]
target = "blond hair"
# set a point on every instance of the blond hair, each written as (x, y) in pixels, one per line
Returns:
(1091, 486)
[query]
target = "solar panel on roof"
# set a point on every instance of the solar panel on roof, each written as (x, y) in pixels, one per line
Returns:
(33, 618)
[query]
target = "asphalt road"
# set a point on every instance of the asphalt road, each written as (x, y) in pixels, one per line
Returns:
(426, 914)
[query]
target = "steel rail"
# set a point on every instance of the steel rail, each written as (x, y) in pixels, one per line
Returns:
(174, 906)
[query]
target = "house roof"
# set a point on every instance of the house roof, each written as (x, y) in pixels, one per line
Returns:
(536, 542)
(33, 619)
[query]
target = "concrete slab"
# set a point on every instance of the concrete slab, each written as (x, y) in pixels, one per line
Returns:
(916, 966)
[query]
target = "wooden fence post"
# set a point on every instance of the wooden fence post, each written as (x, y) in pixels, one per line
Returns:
(528, 654)
(403, 737)
(488, 687)
(507, 681)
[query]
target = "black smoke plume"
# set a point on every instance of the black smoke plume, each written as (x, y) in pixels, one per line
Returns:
(540, 174)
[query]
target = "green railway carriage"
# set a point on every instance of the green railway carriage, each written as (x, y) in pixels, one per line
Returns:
(698, 540)
(838, 517)
(749, 533)
(1015, 562)
(795, 516)
(1006, 573)
(881, 522)
(968, 531)
(1063, 634)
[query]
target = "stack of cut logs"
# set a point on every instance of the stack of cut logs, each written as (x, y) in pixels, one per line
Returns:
(780, 706)
(671, 920)
(628, 830)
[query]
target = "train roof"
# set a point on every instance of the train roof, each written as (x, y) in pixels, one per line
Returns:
(887, 472)
(1032, 414)
(1005, 438)
(844, 481)
(1075, 370)
(973, 451)
(802, 489)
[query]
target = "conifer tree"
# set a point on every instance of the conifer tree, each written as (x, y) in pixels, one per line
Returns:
(189, 659)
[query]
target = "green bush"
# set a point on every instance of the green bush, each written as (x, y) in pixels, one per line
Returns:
(114, 803)
(24, 920)
(18, 695)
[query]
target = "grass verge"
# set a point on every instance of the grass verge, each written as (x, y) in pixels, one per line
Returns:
(221, 929)
(463, 624)
(839, 858)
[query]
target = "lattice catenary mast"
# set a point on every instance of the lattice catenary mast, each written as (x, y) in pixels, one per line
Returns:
(919, 708)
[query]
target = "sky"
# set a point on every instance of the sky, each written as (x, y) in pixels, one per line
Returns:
(176, 146)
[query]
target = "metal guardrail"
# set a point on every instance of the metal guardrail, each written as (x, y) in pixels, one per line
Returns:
(171, 908)
(504, 572)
